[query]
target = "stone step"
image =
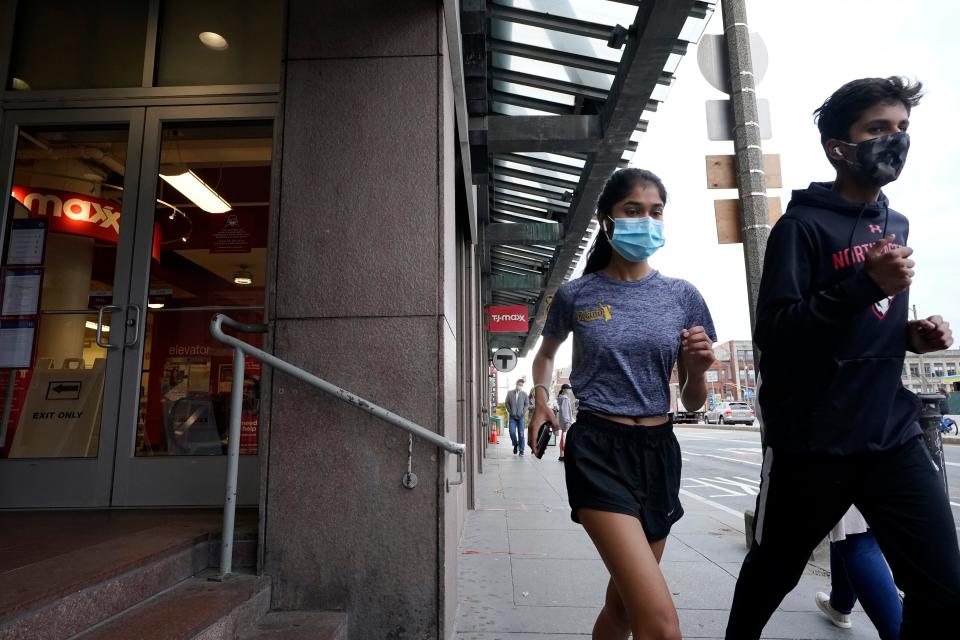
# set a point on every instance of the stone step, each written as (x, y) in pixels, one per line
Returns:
(299, 625)
(195, 609)
(63, 595)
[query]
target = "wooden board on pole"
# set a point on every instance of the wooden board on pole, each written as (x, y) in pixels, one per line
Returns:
(728, 218)
(722, 173)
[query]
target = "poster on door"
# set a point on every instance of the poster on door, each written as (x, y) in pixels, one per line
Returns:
(188, 391)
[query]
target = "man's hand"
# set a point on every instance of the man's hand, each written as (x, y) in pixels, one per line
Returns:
(892, 270)
(932, 334)
(696, 351)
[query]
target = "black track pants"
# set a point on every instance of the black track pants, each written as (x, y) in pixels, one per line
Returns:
(900, 494)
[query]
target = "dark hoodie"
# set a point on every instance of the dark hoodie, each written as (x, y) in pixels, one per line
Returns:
(831, 343)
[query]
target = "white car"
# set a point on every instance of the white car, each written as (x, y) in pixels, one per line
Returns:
(731, 413)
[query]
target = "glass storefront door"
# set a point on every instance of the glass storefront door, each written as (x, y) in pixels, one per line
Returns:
(204, 253)
(65, 318)
(115, 393)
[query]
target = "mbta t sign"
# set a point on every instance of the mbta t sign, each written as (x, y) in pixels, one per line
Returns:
(505, 360)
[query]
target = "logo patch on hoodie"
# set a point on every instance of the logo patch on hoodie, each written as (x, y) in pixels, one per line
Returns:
(880, 307)
(875, 228)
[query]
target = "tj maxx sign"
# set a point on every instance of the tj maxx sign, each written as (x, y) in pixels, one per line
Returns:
(507, 319)
(73, 213)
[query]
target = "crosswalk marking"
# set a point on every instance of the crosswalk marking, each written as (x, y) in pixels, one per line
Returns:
(710, 455)
(737, 486)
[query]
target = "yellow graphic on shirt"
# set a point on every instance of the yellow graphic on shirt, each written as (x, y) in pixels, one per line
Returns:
(602, 312)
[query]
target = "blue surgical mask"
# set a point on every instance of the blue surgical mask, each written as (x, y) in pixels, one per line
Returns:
(636, 239)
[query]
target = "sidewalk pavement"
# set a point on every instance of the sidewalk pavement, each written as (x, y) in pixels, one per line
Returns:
(528, 572)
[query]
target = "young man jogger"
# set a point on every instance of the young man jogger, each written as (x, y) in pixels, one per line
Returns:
(832, 330)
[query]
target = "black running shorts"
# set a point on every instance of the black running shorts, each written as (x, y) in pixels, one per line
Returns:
(624, 469)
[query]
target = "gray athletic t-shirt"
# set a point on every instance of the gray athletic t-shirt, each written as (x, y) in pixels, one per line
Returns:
(626, 338)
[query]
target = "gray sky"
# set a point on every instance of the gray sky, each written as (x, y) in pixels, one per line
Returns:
(813, 48)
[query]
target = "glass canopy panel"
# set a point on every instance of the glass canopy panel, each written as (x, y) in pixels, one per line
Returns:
(610, 13)
(539, 200)
(510, 164)
(576, 163)
(514, 110)
(585, 77)
(532, 92)
(532, 183)
(552, 39)
(694, 27)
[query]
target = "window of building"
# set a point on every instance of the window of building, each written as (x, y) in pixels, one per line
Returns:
(938, 369)
(78, 44)
(101, 44)
(951, 368)
(219, 42)
(914, 370)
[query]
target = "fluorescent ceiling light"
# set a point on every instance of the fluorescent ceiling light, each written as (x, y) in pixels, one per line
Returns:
(199, 192)
(93, 326)
(20, 85)
(213, 40)
(155, 305)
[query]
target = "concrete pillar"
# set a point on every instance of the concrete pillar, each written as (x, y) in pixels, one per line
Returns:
(366, 298)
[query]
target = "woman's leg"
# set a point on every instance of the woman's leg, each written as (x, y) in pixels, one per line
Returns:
(638, 599)
(873, 583)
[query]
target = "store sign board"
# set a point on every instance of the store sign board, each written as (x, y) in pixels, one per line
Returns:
(78, 214)
(73, 213)
(507, 319)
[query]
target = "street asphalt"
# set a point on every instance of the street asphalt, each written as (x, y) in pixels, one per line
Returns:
(528, 572)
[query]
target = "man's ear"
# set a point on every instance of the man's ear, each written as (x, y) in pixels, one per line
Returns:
(835, 150)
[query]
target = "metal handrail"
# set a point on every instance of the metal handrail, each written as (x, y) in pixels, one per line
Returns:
(240, 349)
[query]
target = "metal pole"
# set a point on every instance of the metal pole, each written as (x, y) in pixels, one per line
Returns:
(233, 464)
(746, 142)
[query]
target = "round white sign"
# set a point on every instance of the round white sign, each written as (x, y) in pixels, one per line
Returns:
(505, 360)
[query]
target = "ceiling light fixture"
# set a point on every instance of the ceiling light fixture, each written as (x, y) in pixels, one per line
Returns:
(199, 192)
(19, 85)
(212, 40)
(93, 326)
(155, 305)
(243, 277)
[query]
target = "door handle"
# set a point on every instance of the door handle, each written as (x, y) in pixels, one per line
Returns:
(133, 323)
(103, 311)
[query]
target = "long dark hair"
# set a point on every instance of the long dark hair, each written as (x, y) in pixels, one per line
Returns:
(618, 186)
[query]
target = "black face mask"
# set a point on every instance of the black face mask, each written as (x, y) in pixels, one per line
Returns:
(881, 160)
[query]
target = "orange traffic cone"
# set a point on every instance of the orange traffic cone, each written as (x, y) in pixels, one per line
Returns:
(493, 436)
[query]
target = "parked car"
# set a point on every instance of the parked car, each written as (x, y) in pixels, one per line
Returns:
(731, 413)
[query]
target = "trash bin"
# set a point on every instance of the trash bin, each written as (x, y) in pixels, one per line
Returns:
(930, 423)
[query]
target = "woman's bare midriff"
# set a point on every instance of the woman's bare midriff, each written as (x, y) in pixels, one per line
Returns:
(635, 421)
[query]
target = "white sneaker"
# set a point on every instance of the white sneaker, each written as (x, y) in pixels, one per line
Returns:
(841, 620)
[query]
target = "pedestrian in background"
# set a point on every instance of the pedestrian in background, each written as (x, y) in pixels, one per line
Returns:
(565, 414)
(832, 311)
(859, 570)
(630, 325)
(516, 404)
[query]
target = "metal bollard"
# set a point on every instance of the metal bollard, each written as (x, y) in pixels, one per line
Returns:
(930, 423)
